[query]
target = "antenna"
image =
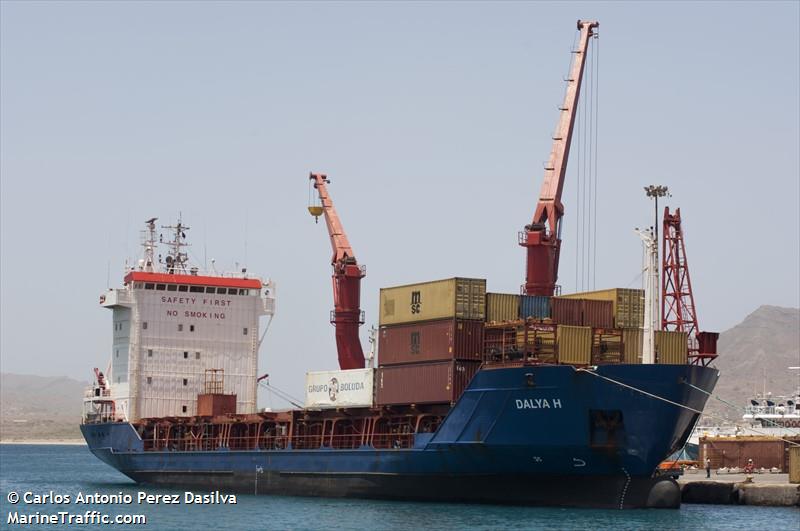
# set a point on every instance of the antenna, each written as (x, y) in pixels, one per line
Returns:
(177, 259)
(149, 244)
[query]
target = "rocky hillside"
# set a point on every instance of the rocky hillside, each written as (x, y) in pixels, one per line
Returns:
(759, 349)
(39, 408)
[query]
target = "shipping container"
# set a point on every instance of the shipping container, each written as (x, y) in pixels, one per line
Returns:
(574, 344)
(633, 344)
(794, 464)
(671, 348)
(424, 383)
(607, 346)
(628, 304)
(454, 298)
(582, 312)
(430, 341)
(767, 452)
(502, 307)
(332, 389)
(534, 307)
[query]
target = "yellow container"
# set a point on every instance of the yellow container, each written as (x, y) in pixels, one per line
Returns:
(628, 304)
(672, 348)
(502, 307)
(632, 341)
(574, 344)
(794, 464)
(453, 298)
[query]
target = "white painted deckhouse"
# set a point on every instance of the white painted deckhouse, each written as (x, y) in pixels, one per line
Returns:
(171, 324)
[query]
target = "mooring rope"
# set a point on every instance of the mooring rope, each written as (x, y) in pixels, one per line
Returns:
(684, 406)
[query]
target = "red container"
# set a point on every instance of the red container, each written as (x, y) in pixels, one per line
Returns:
(212, 405)
(736, 451)
(430, 341)
(582, 312)
(424, 383)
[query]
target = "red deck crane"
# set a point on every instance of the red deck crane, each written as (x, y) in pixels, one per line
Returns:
(347, 274)
(542, 238)
(677, 300)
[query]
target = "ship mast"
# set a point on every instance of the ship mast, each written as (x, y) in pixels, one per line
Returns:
(177, 259)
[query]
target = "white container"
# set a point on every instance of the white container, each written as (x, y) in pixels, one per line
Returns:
(332, 389)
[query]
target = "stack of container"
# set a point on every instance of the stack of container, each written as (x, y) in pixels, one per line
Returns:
(615, 316)
(430, 341)
(519, 327)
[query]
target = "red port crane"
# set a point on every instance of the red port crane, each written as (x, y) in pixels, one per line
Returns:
(677, 300)
(347, 274)
(542, 238)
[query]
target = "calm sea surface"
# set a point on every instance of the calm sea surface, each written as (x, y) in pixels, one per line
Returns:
(70, 470)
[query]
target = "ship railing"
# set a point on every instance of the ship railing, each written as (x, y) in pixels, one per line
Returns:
(96, 392)
(187, 443)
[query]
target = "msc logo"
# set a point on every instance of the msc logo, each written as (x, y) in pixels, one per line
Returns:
(416, 302)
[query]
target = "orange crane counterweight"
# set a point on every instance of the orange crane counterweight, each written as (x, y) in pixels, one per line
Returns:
(347, 274)
(542, 238)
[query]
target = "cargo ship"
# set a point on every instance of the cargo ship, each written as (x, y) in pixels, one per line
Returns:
(528, 398)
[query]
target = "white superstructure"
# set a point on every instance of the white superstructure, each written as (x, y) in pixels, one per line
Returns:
(171, 324)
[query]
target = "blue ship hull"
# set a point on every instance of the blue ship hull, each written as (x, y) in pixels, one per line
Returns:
(542, 435)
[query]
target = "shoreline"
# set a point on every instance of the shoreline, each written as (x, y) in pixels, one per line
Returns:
(40, 442)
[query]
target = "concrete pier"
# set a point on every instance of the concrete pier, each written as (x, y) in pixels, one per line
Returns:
(734, 489)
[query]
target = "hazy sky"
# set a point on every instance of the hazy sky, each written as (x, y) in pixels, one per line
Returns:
(432, 120)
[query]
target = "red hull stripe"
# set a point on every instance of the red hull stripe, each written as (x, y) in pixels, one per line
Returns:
(165, 278)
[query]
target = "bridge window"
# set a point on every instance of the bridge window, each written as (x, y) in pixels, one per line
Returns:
(242, 292)
(211, 290)
(232, 291)
(172, 287)
(183, 288)
(161, 287)
(196, 289)
(149, 285)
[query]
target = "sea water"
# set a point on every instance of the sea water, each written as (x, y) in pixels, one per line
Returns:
(59, 482)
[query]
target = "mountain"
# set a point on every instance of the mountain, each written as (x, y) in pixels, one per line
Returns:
(39, 408)
(755, 354)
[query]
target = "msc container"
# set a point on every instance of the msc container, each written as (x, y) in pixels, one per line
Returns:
(501, 307)
(534, 307)
(574, 344)
(332, 389)
(430, 341)
(672, 348)
(453, 298)
(628, 304)
(583, 312)
(632, 345)
(424, 383)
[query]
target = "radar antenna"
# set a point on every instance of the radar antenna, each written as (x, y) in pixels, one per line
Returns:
(177, 259)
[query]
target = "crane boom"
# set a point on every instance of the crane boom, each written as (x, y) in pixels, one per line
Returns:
(346, 278)
(542, 237)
